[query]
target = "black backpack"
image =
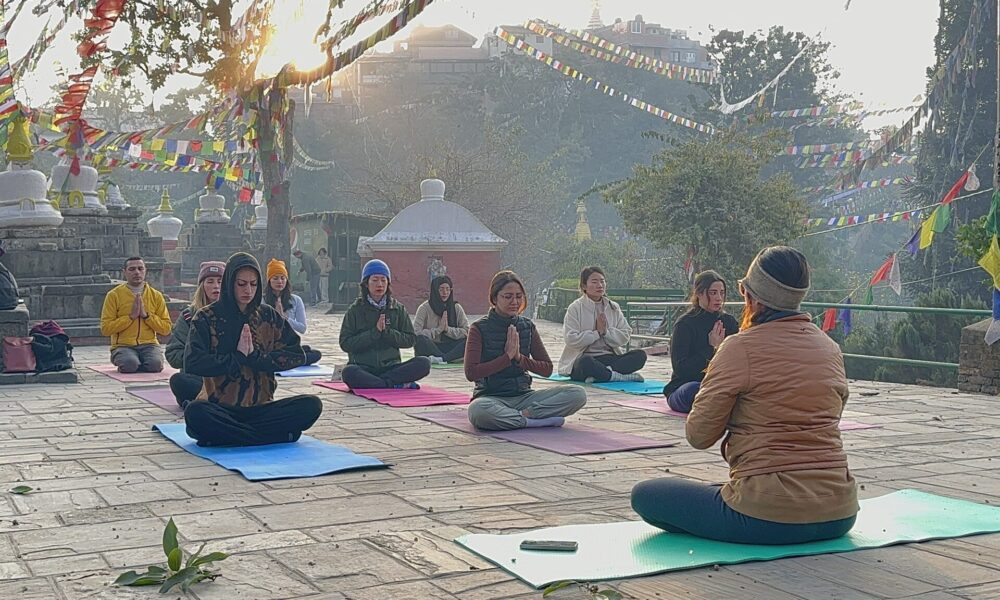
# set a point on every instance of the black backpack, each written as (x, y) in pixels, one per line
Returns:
(52, 352)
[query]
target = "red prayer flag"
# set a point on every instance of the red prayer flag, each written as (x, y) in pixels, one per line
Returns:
(829, 319)
(883, 272)
(955, 189)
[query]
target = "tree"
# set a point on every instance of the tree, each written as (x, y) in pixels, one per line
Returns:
(709, 195)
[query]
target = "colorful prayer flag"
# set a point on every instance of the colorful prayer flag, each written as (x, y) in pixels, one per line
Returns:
(990, 262)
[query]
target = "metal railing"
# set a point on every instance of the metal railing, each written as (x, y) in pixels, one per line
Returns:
(651, 311)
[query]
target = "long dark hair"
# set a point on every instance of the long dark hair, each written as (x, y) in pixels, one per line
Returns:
(439, 306)
(702, 282)
(788, 266)
(285, 297)
(500, 280)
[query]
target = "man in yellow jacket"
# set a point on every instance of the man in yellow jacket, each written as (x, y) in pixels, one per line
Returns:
(133, 315)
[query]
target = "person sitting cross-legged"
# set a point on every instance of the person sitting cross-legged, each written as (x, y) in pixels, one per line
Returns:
(375, 327)
(596, 333)
(236, 345)
(503, 347)
(441, 324)
(186, 386)
(133, 315)
(774, 395)
(278, 295)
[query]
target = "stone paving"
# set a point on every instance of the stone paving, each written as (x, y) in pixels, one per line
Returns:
(105, 486)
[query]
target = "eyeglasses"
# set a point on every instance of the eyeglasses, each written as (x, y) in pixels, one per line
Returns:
(509, 297)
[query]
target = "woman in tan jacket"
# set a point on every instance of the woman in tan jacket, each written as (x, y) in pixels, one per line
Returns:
(774, 394)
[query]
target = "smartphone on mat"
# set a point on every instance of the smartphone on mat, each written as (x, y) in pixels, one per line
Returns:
(550, 545)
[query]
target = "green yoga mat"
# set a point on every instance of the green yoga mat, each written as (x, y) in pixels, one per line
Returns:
(634, 548)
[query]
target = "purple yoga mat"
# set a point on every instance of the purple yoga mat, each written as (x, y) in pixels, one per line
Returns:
(112, 372)
(660, 405)
(425, 396)
(158, 395)
(569, 439)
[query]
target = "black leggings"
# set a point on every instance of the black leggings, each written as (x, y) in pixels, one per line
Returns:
(185, 387)
(600, 367)
(274, 422)
(312, 356)
(360, 378)
(682, 506)
(448, 349)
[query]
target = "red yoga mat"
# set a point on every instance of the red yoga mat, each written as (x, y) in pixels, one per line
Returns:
(112, 372)
(660, 405)
(570, 439)
(425, 396)
(158, 395)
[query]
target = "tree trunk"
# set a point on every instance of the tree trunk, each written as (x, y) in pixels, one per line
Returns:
(277, 184)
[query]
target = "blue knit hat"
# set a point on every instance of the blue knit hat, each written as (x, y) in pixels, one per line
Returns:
(375, 267)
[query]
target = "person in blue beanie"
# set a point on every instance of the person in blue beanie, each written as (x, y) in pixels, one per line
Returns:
(375, 327)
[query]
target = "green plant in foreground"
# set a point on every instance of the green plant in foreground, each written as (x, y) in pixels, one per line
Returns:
(21, 490)
(174, 575)
(595, 592)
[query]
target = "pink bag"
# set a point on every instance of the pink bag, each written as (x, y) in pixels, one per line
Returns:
(18, 357)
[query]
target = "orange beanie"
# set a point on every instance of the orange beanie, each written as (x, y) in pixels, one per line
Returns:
(276, 267)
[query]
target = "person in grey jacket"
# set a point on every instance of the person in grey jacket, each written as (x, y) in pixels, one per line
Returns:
(184, 385)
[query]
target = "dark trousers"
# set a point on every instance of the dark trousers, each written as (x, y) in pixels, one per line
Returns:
(271, 423)
(600, 367)
(185, 387)
(682, 399)
(312, 356)
(448, 349)
(682, 506)
(315, 296)
(360, 378)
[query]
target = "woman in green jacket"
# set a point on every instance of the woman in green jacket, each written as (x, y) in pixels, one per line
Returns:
(375, 327)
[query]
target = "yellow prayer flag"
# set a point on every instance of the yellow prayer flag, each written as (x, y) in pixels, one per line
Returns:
(927, 230)
(990, 262)
(218, 146)
(157, 144)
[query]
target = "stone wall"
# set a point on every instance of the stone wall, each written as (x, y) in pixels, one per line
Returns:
(978, 364)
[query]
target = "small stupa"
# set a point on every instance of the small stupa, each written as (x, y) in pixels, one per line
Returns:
(23, 201)
(75, 194)
(582, 233)
(165, 225)
(108, 191)
(211, 208)
(259, 217)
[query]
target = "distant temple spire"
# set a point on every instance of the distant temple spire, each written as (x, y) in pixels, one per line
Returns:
(582, 232)
(595, 16)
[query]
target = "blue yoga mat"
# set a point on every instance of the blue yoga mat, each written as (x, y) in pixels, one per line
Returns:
(307, 457)
(639, 388)
(307, 371)
(634, 548)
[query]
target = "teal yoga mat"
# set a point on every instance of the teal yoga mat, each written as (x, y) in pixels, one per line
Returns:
(634, 548)
(639, 388)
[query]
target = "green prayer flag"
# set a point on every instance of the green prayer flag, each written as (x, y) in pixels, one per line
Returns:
(993, 218)
(869, 296)
(943, 218)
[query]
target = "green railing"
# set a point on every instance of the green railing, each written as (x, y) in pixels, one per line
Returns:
(646, 311)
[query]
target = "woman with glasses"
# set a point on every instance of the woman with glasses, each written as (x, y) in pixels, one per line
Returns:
(441, 324)
(503, 347)
(774, 395)
(697, 335)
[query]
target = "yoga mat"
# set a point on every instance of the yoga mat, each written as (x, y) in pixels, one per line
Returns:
(158, 395)
(425, 396)
(570, 439)
(307, 371)
(307, 457)
(634, 548)
(447, 366)
(638, 388)
(660, 405)
(112, 372)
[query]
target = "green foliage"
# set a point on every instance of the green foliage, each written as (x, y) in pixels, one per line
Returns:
(919, 336)
(972, 239)
(21, 490)
(709, 194)
(174, 575)
(619, 260)
(593, 592)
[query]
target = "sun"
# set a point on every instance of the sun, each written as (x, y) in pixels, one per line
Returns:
(293, 26)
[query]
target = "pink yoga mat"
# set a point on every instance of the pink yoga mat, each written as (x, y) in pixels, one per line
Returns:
(425, 396)
(158, 395)
(112, 372)
(569, 439)
(660, 405)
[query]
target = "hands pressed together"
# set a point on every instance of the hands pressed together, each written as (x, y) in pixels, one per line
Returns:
(138, 308)
(513, 345)
(717, 334)
(245, 345)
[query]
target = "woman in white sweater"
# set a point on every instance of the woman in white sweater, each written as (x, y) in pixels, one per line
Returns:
(595, 332)
(441, 325)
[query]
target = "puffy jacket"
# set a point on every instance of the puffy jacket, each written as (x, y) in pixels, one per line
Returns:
(178, 339)
(368, 347)
(776, 393)
(126, 331)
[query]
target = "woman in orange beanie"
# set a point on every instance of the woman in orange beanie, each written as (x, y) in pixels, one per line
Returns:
(278, 295)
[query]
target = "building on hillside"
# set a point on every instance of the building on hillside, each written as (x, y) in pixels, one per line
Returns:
(497, 47)
(655, 41)
(433, 237)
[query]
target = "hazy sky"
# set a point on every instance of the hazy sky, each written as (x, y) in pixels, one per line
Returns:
(881, 47)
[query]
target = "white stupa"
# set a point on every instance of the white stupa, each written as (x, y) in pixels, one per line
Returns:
(23, 201)
(165, 225)
(259, 217)
(75, 194)
(211, 208)
(109, 193)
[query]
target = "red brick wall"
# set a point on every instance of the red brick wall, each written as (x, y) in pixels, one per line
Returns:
(470, 272)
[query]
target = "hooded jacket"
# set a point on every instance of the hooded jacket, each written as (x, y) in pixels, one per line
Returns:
(230, 378)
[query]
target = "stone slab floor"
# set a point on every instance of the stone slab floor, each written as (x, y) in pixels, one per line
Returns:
(105, 485)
